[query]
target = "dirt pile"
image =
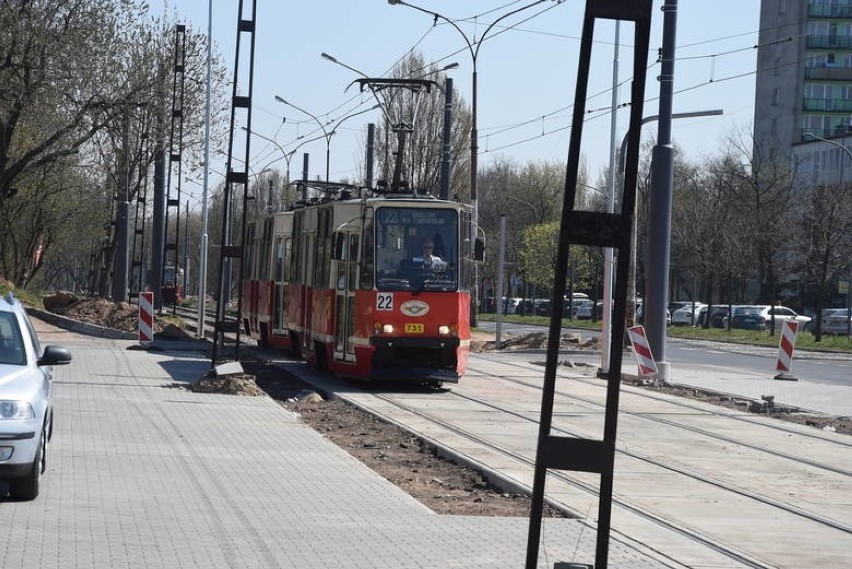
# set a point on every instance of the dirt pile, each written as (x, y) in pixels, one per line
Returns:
(535, 341)
(241, 384)
(122, 316)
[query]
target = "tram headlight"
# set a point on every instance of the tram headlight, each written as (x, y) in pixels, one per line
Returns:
(448, 330)
(380, 328)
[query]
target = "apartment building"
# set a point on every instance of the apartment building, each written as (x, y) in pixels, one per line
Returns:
(803, 95)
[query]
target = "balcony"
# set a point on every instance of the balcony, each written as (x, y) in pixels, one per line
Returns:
(829, 73)
(830, 42)
(828, 105)
(823, 11)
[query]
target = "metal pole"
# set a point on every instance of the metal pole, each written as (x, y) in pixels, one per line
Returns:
(371, 149)
(609, 261)
(501, 269)
(659, 234)
(474, 148)
(446, 163)
(631, 293)
(202, 264)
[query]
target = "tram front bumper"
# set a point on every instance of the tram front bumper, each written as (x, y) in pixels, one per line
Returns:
(418, 359)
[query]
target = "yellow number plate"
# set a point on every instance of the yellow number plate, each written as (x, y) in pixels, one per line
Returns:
(413, 328)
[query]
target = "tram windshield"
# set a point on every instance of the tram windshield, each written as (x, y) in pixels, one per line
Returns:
(417, 249)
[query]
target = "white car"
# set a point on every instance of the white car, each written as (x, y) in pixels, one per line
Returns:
(686, 316)
(760, 317)
(26, 412)
(836, 321)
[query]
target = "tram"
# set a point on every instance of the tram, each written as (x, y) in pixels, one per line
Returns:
(367, 284)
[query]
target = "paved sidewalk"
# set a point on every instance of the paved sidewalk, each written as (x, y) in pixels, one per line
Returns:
(143, 473)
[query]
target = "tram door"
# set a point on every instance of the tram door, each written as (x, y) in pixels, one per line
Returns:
(344, 313)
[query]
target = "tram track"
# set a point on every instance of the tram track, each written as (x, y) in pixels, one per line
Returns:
(842, 444)
(709, 540)
(590, 489)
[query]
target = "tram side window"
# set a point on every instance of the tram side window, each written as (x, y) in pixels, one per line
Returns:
(282, 253)
(265, 243)
(323, 251)
(251, 251)
(368, 262)
(296, 259)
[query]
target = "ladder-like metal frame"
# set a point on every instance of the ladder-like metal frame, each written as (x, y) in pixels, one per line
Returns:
(172, 237)
(598, 230)
(137, 259)
(233, 250)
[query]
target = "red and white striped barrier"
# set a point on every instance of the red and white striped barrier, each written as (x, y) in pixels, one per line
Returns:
(146, 317)
(644, 357)
(789, 329)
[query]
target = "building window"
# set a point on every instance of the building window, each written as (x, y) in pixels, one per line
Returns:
(773, 127)
(782, 6)
(776, 96)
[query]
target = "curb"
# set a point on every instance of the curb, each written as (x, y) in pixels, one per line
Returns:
(157, 345)
(81, 327)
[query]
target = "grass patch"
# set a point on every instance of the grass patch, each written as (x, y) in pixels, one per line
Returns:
(804, 340)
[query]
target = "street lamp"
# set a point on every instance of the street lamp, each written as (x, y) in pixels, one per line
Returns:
(841, 180)
(474, 53)
(655, 327)
(322, 127)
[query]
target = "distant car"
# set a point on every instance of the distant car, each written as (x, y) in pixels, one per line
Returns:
(835, 321)
(26, 410)
(759, 317)
(583, 309)
(640, 314)
(717, 315)
(688, 314)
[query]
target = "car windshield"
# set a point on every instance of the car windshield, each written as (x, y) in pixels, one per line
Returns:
(11, 342)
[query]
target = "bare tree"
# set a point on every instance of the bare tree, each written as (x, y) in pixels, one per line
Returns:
(824, 230)
(424, 144)
(78, 106)
(766, 201)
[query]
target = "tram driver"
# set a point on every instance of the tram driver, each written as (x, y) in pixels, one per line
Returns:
(429, 259)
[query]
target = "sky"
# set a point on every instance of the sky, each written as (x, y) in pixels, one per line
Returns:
(526, 69)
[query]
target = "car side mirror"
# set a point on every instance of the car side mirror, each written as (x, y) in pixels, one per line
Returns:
(54, 356)
(478, 249)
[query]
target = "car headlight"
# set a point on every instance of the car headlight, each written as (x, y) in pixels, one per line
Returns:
(15, 410)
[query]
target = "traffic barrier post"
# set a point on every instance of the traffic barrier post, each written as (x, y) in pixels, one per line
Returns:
(644, 357)
(787, 344)
(146, 317)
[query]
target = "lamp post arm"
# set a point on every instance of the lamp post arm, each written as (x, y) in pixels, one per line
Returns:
(347, 117)
(475, 53)
(436, 15)
(300, 109)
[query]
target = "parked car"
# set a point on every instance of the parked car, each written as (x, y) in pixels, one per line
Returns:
(835, 321)
(759, 317)
(583, 309)
(782, 314)
(717, 315)
(26, 410)
(640, 314)
(688, 314)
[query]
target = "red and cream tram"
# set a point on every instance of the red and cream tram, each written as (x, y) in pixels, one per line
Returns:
(374, 287)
